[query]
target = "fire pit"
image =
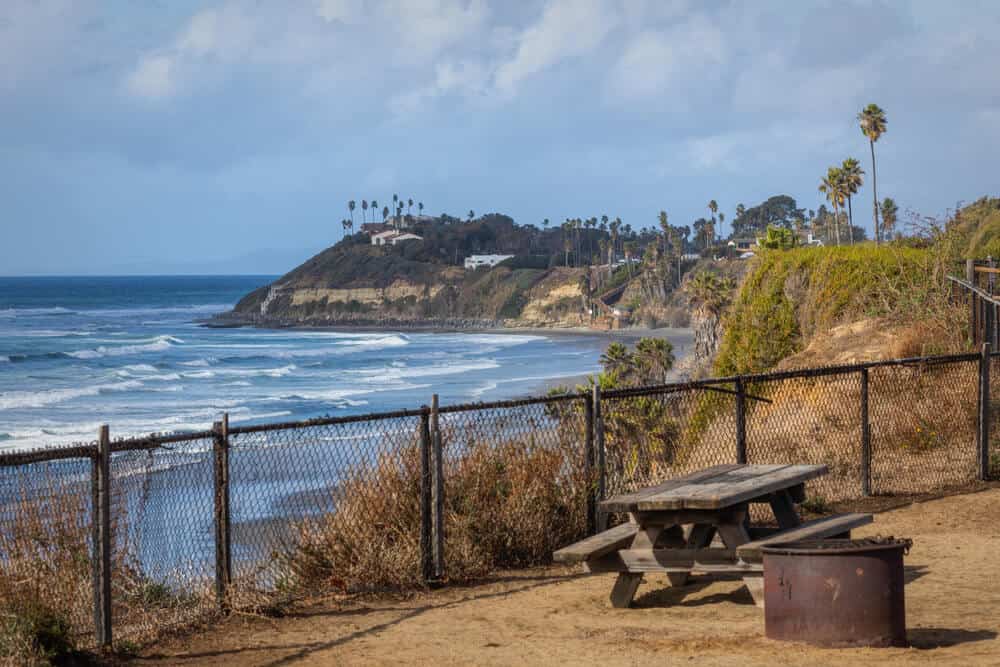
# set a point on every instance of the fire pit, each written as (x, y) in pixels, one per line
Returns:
(836, 592)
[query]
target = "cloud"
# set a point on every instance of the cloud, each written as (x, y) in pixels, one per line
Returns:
(153, 78)
(660, 63)
(566, 29)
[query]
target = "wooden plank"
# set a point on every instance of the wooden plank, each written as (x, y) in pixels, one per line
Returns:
(596, 546)
(672, 561)
(734, 487)
(818, 529)
(674, 497)
(627, 502)
(685, 517)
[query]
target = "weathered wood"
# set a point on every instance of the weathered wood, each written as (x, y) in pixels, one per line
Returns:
(672, 561)
(597, 545)
(624, 589)
(784, 509)
(101, 537)
(797, 493)
(755, 585)
(686, 517)
(627, 501)
(223, 529)
(730, 488)
(426, 498)
(437, 491)
(698, 536)
(818, 529)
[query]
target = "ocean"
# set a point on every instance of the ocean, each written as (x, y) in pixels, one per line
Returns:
(130, 352)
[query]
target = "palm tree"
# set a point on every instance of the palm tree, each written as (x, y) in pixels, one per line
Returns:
(655, 358)
(889, 213)
(629, 248)
(852, 173)
(350, 207)
(374, 208)
(545, 224)
(364, 210)
(664, 228)
(873, 125)
(420, 209)
(722, 218)
(409, 206)
(346, 224)
(616, 360)
(614, 238)
(833, 186)
(385, 213)
(472, 214)
(567, 243)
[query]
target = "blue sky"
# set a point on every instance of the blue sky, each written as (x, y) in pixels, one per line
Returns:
(227, 135)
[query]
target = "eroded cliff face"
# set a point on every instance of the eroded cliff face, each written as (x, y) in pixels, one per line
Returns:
(500, 297)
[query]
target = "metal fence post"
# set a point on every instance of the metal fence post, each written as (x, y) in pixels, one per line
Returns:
(437, 468)
(984, 413)
(426, 555)
(601, 462)
(223, 532)
(101, 537)
(589, 463)
(866, 439)
(741, 421)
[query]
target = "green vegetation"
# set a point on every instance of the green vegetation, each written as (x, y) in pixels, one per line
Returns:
(790, 295)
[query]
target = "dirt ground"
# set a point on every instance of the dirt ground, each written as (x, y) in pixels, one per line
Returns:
(558, 616)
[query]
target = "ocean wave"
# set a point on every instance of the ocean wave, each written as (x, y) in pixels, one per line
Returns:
(33, 312)
(241, 372)
(158, 344)
(4, 359)
(11, 400)
(399, 371)
(334, 395)
(198, 363)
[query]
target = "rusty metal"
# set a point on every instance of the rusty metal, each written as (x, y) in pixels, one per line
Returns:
(836, 593)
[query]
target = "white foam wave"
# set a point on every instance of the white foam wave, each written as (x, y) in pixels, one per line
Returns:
(158, 344)
(398, 371)
(11, 400)
(198, 363)
(4, 359)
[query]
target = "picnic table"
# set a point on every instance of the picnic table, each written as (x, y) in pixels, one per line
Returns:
(672, 527)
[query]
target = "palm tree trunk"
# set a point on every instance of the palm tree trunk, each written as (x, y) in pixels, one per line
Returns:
(878, 234)
(850, 220)
(836, 222)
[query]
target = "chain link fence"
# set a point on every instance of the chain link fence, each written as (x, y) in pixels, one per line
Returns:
(253, 517)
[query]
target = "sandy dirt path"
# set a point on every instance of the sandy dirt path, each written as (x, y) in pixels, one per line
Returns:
(556, 616)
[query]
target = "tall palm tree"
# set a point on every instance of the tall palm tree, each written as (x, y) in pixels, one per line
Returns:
(385, 213)
(832, 186)
(740, 211)
(364, 210)
(889, 213)
(346, 224)
(722, 218)
(472, 214)
(664, 229)
(655, 358)
(409, 206)
(545, 224)
(567, 243)
(420, 209)
(853, 180)
(629, 249)
(350, 207)
(873, 125)
(615, 226)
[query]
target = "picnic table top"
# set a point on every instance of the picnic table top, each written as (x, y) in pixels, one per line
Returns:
(714, 488)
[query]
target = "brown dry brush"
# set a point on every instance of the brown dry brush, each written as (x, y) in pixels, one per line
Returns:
(507, 504)
(46, 575)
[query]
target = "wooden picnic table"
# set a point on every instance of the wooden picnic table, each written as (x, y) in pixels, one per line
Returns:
(672, 526)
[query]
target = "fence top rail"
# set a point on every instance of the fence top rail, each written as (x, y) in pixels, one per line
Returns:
(978, 291)
(155, 441)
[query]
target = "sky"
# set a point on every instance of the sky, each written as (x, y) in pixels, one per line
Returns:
(226, 136)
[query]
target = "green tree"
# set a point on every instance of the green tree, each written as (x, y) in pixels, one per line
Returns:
(409, 206)
(653, 357)
(420, 209)
(778, 238)
(472, 214)
(350, 207)
(873, 125)
(853, 176)
(374, 207)
(889, 213)
(385, 213)
(832, 186)
(711, 291)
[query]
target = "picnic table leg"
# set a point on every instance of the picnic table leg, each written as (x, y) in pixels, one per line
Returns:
(784, 509)
(627, 583)
(695, 536)
(734, 533)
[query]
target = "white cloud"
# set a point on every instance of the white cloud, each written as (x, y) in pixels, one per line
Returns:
(153, 78)
(566, 29)
(345, 11)
(424, 28)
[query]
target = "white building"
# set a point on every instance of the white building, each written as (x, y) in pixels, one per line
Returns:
(394, 236)
(476, 261)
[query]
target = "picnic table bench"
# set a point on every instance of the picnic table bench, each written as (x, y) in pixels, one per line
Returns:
(672, 526)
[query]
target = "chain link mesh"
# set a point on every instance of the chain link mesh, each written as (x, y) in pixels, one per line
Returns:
(335, 505)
